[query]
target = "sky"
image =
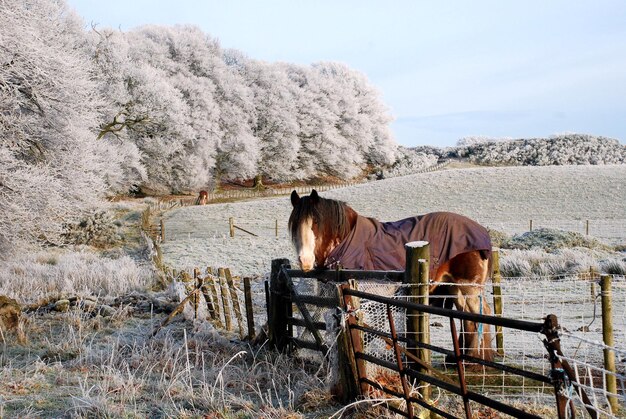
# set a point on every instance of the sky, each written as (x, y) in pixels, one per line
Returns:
(445, 69)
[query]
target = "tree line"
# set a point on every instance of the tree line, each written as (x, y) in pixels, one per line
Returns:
(90, 112)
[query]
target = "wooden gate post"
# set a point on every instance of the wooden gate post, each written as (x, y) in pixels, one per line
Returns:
(552, 338)
(280, 307)
(496, 279)
(607, 335)
(247, 292)
(417, 326)
(349, 386)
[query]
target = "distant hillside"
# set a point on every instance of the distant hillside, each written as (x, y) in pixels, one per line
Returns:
(568, 149)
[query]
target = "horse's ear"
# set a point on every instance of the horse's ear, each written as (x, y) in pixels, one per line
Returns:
(295, 198)
(314, 196)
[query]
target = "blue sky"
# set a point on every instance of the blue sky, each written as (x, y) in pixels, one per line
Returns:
(445, 69)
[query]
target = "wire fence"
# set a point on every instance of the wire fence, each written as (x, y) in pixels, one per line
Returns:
(575, 300)
(612, 231)
(263, 225)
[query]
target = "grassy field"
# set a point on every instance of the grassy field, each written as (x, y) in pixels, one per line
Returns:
(90, 314)
(502, 198)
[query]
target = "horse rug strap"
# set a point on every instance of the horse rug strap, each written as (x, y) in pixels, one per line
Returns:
(374, 245)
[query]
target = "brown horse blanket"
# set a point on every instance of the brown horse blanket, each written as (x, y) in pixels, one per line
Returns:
(374, 245)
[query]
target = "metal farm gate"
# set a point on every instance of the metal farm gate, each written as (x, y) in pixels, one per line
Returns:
(388, 354)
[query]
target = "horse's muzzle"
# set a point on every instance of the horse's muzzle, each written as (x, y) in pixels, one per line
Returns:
(307, 264)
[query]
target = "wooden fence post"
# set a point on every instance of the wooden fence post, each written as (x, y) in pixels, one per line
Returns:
(587, 227)
(231, 226)
(351, 368)
(159, 256)
(417, 326)
(210, 304)
(607, 335)
(247, 292)
(496, 280)
(224, 292)
(280, 307)
(216, 304)
(162, 230)
(234, 300)
(531, 225)
(276, 228)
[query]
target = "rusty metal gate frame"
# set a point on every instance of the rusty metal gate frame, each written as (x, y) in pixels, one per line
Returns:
(560, 377)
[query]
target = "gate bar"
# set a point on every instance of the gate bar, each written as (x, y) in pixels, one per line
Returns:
(303, 310)
(476, 397)
(344, 275)
(420, 402)
(460, 369)
(405, 387)
(461, 315)
(502, 367)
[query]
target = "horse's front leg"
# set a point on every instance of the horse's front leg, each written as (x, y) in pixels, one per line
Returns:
(475, 337)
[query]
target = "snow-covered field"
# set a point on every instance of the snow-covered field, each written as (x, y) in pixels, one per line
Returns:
(502, 198)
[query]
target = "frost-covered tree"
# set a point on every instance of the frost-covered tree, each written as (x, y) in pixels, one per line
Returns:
(341, 121)
(158, 104)
(558, 150)
(52, 169)
(198, 115)
(361, 118)
(175, 98)
(275, 125)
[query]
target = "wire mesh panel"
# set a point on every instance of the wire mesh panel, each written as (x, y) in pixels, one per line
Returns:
(574, 300)
(375, 316)
(323, 316)
(592, 377)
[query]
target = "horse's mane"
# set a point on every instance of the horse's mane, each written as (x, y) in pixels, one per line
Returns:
(333, 215)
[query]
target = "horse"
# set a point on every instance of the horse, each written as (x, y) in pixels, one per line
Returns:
(327, 234)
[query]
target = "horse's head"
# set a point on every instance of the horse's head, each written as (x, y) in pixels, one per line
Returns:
(317, 225)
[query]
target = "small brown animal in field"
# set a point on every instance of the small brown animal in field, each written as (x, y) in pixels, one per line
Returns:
(10, 315)
(203, 198)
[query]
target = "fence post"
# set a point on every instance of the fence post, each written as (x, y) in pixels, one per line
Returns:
(496, 279)
(350, 341)
(607, 336)
(224, 291)
(531, 225)
(417, 327)
(216, 304)
(231, 226)
(587, 227)
(162, 230)
(277, 228)
(234, 298)
(247, 292)
(552, 342)
(207, 297)
(279, 307)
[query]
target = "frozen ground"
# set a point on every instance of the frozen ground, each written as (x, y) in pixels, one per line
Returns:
(502, 198)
